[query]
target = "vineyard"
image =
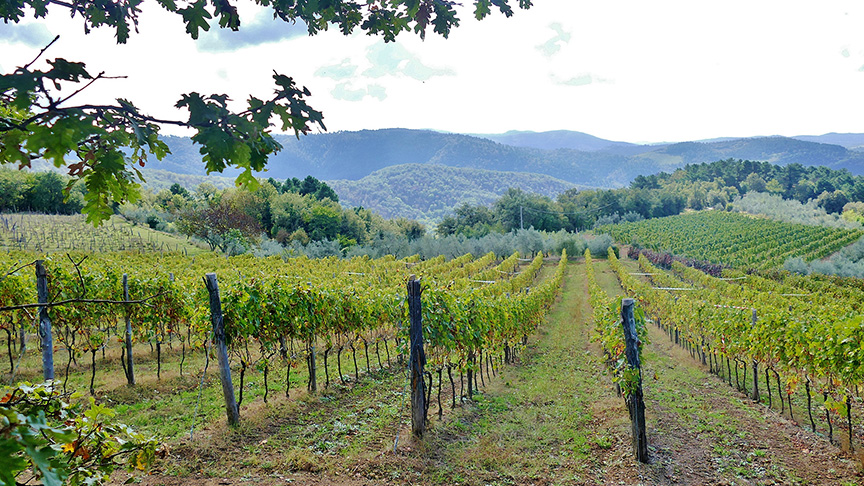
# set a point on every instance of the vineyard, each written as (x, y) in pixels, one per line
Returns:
(318, 315)
(312, 363)
(733, 239)
(43, 233)
(789, 342)
(774, 339)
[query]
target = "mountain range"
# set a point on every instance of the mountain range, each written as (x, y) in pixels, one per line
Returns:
(355, 162)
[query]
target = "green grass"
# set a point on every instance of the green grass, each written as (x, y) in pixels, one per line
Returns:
(523, 428)
(167, 407)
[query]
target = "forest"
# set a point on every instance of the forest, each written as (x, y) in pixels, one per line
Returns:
(698, 186)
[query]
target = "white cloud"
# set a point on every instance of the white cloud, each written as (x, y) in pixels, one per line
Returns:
(345, 69)
(582, 79)
(262, 29)
(559, 40)
(393, 59)
(629, 70)
(34, 35)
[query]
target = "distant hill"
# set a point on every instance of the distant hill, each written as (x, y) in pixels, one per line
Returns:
(559, 139)
(353, 155)
(430, 191)
(852, 141)
(777, 150)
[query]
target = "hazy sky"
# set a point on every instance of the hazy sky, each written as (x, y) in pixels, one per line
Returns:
(636, 71)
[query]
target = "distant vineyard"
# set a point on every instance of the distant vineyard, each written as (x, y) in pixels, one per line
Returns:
(733, 239)
(47, 233)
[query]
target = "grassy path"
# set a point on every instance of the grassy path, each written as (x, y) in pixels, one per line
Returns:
(552, 419)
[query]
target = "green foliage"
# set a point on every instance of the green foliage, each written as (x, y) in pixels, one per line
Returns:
(308, 186)
(526, 242)
(517, 209)
(710, 185)
(792, 211)
(40, 192)
(848, 262)
(235, 221)
(179, 190)
(751, 318)
(608, 326)
(223, 223)
(37, 121)
(43, 435)
(833, 201)
(471, 221)
(733, 239)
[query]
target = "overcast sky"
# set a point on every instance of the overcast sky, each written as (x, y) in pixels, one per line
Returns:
(629, 70)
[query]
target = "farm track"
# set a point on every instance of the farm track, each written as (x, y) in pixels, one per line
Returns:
(701, 431)
(553, 418)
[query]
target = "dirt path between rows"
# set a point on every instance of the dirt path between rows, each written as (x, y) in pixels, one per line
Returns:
(701, 431)
(705, 432)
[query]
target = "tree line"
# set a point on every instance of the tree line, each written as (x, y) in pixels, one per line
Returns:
(276, 213)
(39, 192)
(296, 211)
(695, 186)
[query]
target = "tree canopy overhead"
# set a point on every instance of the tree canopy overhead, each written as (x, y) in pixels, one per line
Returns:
(102, 144)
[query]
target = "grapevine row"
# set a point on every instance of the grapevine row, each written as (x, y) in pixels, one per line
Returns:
(733, 239)
(323, 306)
(801, 337)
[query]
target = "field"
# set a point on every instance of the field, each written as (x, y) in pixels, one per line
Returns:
(64, 233)
(519, 350)
(733, 239)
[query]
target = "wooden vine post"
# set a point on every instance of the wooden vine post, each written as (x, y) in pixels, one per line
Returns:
(130, 370)
(313, 379)
(312, 386)
(417, 359)
(44, 322)
(755, 394)
(635, 403)
(221, 349)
